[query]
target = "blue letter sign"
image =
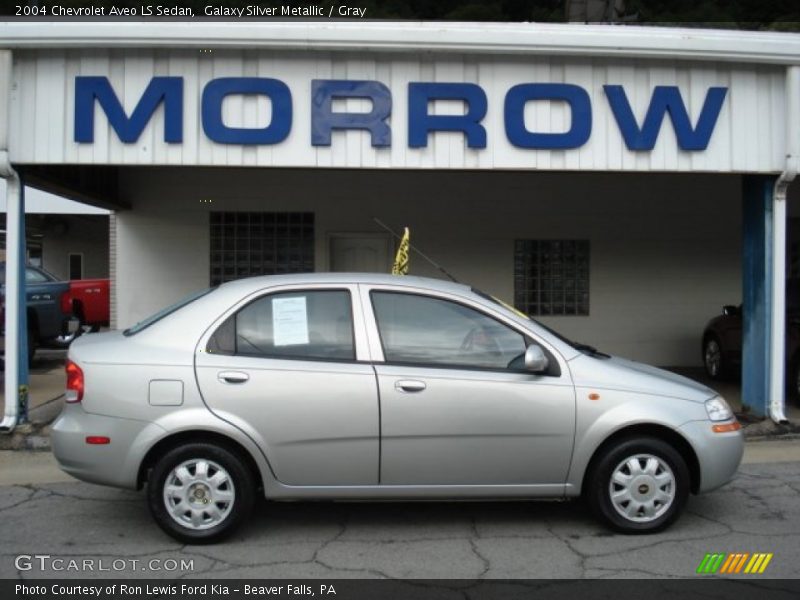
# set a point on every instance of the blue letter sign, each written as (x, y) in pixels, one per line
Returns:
(579, 104)
(277, 91)
(665, 99)
(324, 120)
(420, 122)
(168, 90)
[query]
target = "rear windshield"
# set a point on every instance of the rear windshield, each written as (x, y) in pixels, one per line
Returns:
(145, 323)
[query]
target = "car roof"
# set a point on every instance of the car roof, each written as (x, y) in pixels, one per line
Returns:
(343, 278)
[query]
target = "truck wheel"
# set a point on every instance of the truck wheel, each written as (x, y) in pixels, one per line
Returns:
(65, 340)
(639, 485)
(33, 341)
(200, 493)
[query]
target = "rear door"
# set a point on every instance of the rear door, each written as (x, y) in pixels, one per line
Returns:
(285, 367)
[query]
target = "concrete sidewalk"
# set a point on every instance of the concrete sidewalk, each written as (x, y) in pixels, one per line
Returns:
(46, 383)
(45, 399)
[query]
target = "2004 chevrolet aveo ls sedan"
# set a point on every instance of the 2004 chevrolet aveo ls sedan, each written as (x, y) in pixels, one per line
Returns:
(337, 386)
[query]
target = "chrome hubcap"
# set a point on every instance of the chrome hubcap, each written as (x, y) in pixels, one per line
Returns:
(713, 358)
(199, 494)
(642, 488)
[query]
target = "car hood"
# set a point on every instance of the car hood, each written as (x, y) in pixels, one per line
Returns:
(615, 373)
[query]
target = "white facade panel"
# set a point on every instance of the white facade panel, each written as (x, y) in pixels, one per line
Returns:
(749, 135)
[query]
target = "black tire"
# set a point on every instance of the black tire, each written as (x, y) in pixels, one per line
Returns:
(33, 342)
(714, 358)
(64, 341)
(599, 485)
(232, 514)
(793, 381)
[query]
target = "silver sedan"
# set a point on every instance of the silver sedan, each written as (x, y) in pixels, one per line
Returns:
(342, 386)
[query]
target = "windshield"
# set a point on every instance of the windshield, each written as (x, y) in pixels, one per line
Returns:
(32, 274)
(145, 323)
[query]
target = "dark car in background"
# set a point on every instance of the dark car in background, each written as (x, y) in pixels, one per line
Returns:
(722, 342)
(49, 307)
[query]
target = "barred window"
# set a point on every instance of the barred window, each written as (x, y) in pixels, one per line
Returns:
(244, 244)
(551, 277)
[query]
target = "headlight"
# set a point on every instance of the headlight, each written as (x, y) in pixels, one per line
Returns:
(718, 409)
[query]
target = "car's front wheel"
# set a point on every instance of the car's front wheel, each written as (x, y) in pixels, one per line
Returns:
(639, 485)
(200, 493)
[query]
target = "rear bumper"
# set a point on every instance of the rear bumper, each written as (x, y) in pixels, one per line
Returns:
(719, 454)
(115, 464)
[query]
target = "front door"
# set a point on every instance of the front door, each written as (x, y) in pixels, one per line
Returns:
(457, 408)
(285, 367)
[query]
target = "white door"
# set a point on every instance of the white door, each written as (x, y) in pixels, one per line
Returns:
(360, 253)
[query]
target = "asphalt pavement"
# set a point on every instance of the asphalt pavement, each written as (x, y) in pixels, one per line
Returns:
(54, 526)
(46, 513)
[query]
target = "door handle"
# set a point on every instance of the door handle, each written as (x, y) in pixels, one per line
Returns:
(232, 377)
(409, 385)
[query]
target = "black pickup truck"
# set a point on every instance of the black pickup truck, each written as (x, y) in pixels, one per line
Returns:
(49, 306)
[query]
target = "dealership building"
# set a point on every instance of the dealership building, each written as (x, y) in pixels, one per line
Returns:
(618, 183)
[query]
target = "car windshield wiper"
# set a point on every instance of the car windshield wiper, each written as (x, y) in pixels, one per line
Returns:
(590, 350)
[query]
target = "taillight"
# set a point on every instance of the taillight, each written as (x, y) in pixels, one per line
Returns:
(74, 382)
(66, 303)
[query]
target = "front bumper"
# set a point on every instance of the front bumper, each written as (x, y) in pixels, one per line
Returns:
(116, 463)
(719, 454)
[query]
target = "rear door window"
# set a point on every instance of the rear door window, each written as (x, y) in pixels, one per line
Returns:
(313, 325)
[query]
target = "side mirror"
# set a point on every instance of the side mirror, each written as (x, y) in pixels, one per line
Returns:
(730, 310)
(535, 359)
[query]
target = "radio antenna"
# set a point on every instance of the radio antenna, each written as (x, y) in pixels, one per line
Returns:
(417, 250)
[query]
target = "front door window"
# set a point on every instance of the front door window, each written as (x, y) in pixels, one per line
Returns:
(429, 331)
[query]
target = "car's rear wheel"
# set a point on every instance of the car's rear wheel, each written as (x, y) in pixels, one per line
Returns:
(713, 359)
(200, 493)
(638, 485)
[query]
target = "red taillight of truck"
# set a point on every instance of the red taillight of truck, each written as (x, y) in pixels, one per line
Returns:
(66, 303)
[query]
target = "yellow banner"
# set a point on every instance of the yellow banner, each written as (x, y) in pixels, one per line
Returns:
(400, 266)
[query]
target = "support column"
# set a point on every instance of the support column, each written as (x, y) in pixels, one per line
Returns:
(16, 358)
(23, 368)
(758, 288)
